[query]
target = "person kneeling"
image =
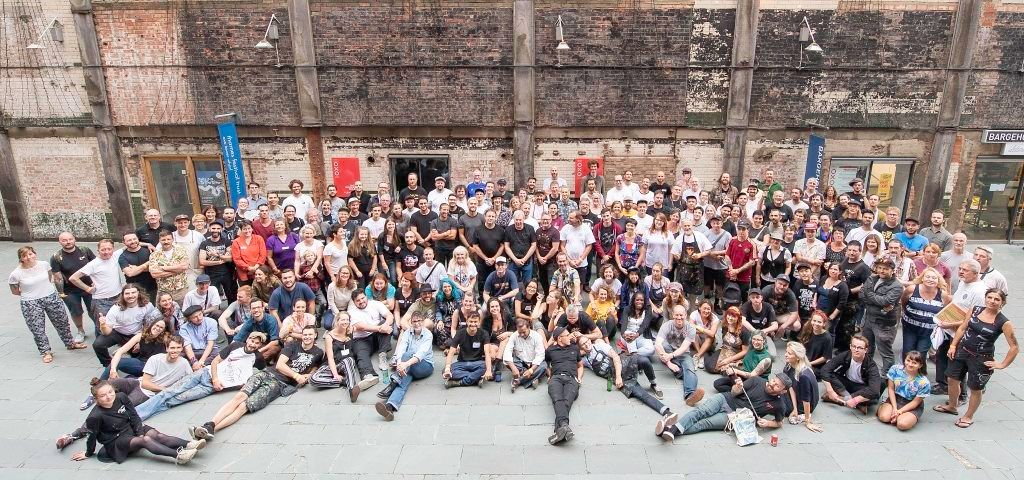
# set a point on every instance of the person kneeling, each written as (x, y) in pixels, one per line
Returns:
(766, 398)
(294, 367)
(907, 388)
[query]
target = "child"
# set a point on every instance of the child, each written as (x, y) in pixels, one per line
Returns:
(313, 281)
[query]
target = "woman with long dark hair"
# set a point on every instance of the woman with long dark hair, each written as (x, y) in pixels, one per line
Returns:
(907, 386)
(32, 281)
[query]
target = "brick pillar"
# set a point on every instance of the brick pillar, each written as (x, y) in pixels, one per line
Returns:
(958, 72)
(738, 115)
(10, 186)
(106, 136)
(523, 93)
(308, 87)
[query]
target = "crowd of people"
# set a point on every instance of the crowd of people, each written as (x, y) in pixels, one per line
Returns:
(790, 296)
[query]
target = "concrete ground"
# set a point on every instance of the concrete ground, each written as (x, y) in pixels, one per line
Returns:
(490, 432)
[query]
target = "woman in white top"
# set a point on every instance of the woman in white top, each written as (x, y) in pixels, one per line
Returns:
(462, 271)
(309, 242)
(335, 253)
(659, 245)
(32, 281)
(872, 250)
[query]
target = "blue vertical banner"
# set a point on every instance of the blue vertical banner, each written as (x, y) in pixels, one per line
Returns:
(815, 157)
(232, 160)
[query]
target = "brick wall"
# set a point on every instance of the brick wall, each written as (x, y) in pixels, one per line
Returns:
(62, 182)
(994, 97)
(405, 64)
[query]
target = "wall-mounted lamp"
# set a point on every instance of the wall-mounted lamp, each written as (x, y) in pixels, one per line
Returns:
(560, 35)
(56, 30)
(271, 34)
(807, 34)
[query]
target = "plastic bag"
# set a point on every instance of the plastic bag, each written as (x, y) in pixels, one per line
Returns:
(744, 426)
(938, 336)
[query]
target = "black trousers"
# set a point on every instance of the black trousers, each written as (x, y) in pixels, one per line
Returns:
(364, 348)
(563, 390)
(103, 343)
(226, 285)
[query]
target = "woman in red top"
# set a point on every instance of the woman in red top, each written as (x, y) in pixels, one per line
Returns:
(248, 251)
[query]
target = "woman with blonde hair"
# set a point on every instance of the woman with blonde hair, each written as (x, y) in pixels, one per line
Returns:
(922, 300)
(462, 271)
(803, 395)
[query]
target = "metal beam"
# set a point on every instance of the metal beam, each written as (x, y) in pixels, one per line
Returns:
(106, 135)
(524, 51)
(305, 63)
(738, 114)
(10, 187)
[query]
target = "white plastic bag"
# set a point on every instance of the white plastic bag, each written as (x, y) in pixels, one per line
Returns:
(938, 336)
(744, 426)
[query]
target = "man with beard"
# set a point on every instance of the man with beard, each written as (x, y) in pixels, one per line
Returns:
(68, 260)
(215, 258)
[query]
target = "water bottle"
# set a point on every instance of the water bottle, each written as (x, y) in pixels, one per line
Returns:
(609, 384)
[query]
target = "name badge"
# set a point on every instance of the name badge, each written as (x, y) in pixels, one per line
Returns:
(344, 352)
(476, 344)
(285, 248)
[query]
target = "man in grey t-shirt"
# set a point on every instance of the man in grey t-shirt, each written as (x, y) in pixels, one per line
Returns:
(714, 262)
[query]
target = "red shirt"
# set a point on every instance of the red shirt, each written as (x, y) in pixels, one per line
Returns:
(739, 253)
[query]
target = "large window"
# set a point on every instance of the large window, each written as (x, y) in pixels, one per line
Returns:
(889, 178)
(994, 195)
(182, 185)
(428, 167)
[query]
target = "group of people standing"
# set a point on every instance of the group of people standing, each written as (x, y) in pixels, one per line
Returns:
(352, 291)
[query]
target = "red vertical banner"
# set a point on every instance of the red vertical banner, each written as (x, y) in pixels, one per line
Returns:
(344, 173)
(582, 169)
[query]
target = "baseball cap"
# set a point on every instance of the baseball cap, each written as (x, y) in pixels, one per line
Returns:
(743, 224)
(885, 261)
(776, 236)
(500, 260)
(856, 180)
(686, 170)
(911, 219)
(439, 178)
(810, 226)
(754, 291)
(715, 217)
(675, 286)
(501, 182)
(182, 217)
(203, 278)
(782, 277)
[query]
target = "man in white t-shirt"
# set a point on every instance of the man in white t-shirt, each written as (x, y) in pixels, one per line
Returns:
(105, 272)
(372, 325)
(438, 195)
(190, 240)
(554, 179)
(989, 275)
(577, 241)
(618, 193)
(299, 200)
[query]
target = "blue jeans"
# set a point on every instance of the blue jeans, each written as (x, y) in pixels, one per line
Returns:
(916, 338)
(523, 273)
(523, 366)
(709, 415)
(418, 371)
(193, 387)
(328, 320)
(130, 366)
(687, 373)
(468, 373)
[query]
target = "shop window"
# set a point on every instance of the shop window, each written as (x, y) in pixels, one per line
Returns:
(889, 178)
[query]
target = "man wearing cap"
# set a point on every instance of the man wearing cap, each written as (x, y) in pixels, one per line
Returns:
(881, 295)
(742, 256)
(758, 315)
(356, 216)
(205, 296)
(936, 233)
(501, 283)
(766, 397)
(851, 218)
(200, 334)
(425, 305)
(230, 369)
(438, 195)
(809, 250)
(783, 301)
(851, 377)
(911, 241)
(857, 193)
(714, 262)
(216, 262)
(566, 366)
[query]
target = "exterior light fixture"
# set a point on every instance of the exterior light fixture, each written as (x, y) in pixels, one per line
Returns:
(56, 30)
(560, 35)
(807, 34)
(271, 34)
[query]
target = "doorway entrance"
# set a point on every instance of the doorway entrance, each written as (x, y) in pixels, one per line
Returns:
(889, 178)
(182, 185)
(992, 212)
(428, 167)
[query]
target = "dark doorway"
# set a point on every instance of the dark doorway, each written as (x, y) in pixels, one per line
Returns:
(428, 167)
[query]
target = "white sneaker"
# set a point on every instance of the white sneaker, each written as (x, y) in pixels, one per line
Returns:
(185, 455)
(368, 381)
(78, 337)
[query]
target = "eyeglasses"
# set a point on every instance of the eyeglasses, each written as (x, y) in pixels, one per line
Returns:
(853, 347)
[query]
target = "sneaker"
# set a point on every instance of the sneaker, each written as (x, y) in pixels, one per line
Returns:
(200, 432)
(353, 394)
(185, 455)
(451, 384)
(514, 383)
(64, 440)
(382, 360)
(695, 397)
(660, 395)
(368, 381)
(668, 436)
(196, 444)
(78, 337)
(88, 402)
(384, 410)
(700, 363)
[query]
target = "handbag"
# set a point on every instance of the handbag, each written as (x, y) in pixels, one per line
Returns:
(744, 426)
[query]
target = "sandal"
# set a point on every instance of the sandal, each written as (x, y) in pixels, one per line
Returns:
(943, 408)
(833, 400)
(47, 357)
(77, 346)
(960, 422)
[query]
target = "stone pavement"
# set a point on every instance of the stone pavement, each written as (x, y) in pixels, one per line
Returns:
(474, 433)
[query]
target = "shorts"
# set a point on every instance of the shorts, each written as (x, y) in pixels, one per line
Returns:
(74, 301)
(714, 278)
(973, 365)
(261, 389)
(902, 402)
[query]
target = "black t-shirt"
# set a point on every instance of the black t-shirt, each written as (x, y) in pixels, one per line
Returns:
(419, 191)
(546, 238)
(67, 263)
(152, 235)
(403, 301)
(563, 360)
(663, 187)
(757, 394)
(887, 231)
(410, 258)
(856, 274)
(760, 320)
(787, 213)
(488, 239)
(471, 347)
(134, 259)
(806, 386)
(444, 226)
(421, 222)
(215, 249)
(299, 360)
(804, 296)
(786, 303)
(520, 240)
(591, 219)
(819, 346)
(584, 325)
(606, 237)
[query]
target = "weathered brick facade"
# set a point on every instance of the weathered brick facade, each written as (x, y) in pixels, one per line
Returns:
(645, 85)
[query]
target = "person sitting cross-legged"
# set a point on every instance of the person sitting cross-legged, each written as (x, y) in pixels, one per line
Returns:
(524, 355)
(295, 364)
(414, 360)
(474, 359)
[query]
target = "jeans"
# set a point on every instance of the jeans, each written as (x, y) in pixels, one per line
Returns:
(687, 373)
(103, 343)
(328, 320)
(632, 389)
(100, 307)
(468, 373)
(563, 390)
(364, 348)
(392, 272)
(523, 273)
(418, 371)
(523, 366)
(915, 338)
(193, 387)
(709, 415)
(881, 337)
(128, 365)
